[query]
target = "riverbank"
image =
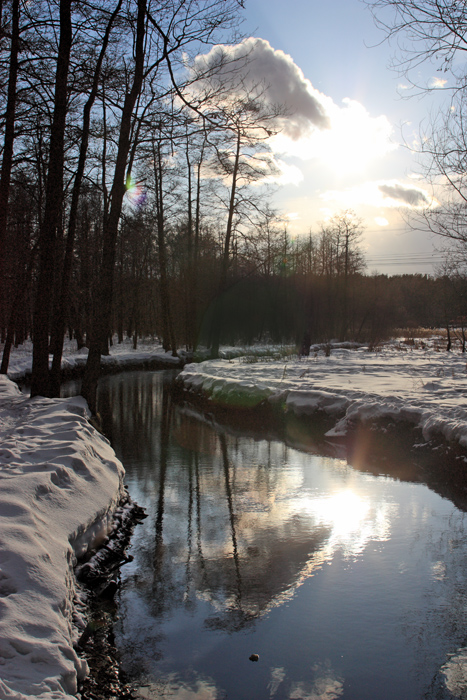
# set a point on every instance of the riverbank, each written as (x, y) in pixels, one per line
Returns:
(122, 357)
(416, 384)
(60, 483)
(61, 487)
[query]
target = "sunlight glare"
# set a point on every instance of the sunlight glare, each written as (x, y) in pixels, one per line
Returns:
(381, 221)
(354, 140)
(344, 510)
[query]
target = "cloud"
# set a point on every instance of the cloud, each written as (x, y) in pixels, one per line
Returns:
(255, 65)
(345, 137)
(261, 169)
(391, 194)
(286, 174)
(436, 82)
(413, 197)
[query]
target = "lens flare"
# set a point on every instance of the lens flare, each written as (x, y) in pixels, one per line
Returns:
(135, 193)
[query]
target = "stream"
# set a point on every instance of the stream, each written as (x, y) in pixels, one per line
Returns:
(345, 583)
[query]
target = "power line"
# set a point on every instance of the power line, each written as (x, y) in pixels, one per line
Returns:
(396, 259)
(407, 259)
(400, 264)
(389, 230)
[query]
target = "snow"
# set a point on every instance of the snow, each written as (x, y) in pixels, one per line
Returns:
(419, 384)
(121, 356)
(60, 480)
(59, 485)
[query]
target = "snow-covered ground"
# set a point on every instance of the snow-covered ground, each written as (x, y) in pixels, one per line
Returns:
(121, 356)
(60, 480)
(419, 383)
(59, 485)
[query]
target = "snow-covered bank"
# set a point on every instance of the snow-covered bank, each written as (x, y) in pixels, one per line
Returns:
(122, 356)
(59, 485)
(416, 383)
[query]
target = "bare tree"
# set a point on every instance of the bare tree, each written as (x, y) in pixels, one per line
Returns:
(245, 122)
(58, 328)
(53, 204)
(7, 159)
(434, 32)
(159, 38)
(426, 30)
(103, 307)
(443, 152)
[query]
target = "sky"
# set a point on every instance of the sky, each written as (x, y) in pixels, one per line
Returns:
(342, 146)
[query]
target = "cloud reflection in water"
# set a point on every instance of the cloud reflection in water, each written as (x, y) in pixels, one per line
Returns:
(326, 685)
(176, 689)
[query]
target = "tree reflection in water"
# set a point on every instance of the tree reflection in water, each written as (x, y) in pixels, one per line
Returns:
(340, 580)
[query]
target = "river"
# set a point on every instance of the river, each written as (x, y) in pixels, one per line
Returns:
(346, 584)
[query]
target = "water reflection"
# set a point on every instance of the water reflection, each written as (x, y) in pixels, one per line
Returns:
(325, 686)
(345, 584)
(171, 686)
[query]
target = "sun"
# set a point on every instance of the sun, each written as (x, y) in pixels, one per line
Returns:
(353, 142)
(355, 139)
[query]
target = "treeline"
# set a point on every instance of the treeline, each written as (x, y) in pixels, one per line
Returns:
(277, 289)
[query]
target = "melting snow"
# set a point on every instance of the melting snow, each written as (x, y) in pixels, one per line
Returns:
(420, 385)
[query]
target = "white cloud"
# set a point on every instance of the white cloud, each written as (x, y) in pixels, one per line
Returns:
(271, 74)
(436, 82)
(286, 174)
(345, 138)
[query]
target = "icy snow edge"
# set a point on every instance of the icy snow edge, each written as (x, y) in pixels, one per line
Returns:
(426, 389)
(60, 482)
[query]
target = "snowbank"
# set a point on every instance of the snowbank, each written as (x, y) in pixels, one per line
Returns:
(122, 356)
(59, 484)
(420, 385)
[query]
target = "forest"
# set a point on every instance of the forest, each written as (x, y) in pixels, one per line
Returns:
(135, 197)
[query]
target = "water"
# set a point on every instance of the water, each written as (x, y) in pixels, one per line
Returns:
(347, 585)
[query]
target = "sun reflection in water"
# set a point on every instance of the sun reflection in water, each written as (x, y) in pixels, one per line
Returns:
(344, 511)
(353, 520)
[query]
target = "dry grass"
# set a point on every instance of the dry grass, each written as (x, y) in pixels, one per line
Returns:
(419, 333)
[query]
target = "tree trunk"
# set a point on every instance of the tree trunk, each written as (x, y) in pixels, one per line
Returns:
(22, 285)
(103, 304)
(7, 160)
(58, 328)
(217, 317)
(53, 206)
(167, 325)
(189, 270)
